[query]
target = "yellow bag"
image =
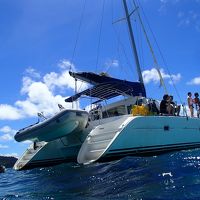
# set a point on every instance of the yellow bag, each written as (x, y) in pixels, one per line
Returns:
(140, 110)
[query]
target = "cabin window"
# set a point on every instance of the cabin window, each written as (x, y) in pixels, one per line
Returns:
(116, 111)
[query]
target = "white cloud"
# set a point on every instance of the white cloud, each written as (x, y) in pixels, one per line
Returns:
(53, 80)
(62, 80)
(8, 133)
(9, 112)
(152, 76)
(7, 129)
(6, 137)
(174, 78)
(26, 82)
(41, 94)
(41, 99)
(66, 65)
(28, 108)
(32, 72)
(3, 146)
(194, 81)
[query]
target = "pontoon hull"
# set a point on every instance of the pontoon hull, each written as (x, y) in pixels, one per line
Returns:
(150, 135)
(139, 135)
(121, 136)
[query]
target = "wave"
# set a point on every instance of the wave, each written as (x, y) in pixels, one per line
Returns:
(172, 175)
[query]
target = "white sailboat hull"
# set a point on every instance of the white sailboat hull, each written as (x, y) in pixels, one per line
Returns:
(120, 136)
(141, 135)
(156, 134)
(48, 154)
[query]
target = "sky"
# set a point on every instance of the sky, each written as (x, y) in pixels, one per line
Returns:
(40, 41)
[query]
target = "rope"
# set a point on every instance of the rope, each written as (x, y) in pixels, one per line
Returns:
(151, 49)
(162, 56)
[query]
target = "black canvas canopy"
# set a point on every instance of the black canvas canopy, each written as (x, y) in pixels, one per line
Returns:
(106, 87)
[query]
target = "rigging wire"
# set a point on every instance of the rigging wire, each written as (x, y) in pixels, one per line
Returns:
(129, 37)
(74, 50)
(133, 45)
(151, 49)
(123, 49)
(109, 65)
(161, 54)
(118, 45)
(139, 41)
(121, 46)
(78, 33)
(100, 32)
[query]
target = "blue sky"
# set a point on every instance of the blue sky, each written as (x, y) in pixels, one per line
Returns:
(38, 47)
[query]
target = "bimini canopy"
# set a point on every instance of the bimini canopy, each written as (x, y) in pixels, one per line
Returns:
(106, 87)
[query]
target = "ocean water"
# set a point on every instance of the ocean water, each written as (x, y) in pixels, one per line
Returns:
(170, 176)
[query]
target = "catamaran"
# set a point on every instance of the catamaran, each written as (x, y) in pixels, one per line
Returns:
(125, 127)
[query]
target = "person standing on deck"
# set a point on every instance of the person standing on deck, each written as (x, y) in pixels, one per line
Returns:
(190, 104)
(197, 103)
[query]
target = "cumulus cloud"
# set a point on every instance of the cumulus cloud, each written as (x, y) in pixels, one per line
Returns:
(41, 99)
(9, 112)
(7, 129)
(42, 93)
(32, 72)
(66, 65)
(194, 81)
(7, 133)
(152, 76)
(26, 82)
(6, 137)
(64, 80)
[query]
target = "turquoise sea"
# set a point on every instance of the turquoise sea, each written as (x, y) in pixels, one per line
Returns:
(170, 176)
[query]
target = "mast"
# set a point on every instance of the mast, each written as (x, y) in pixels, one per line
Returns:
(133, 43)
(152, 52)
